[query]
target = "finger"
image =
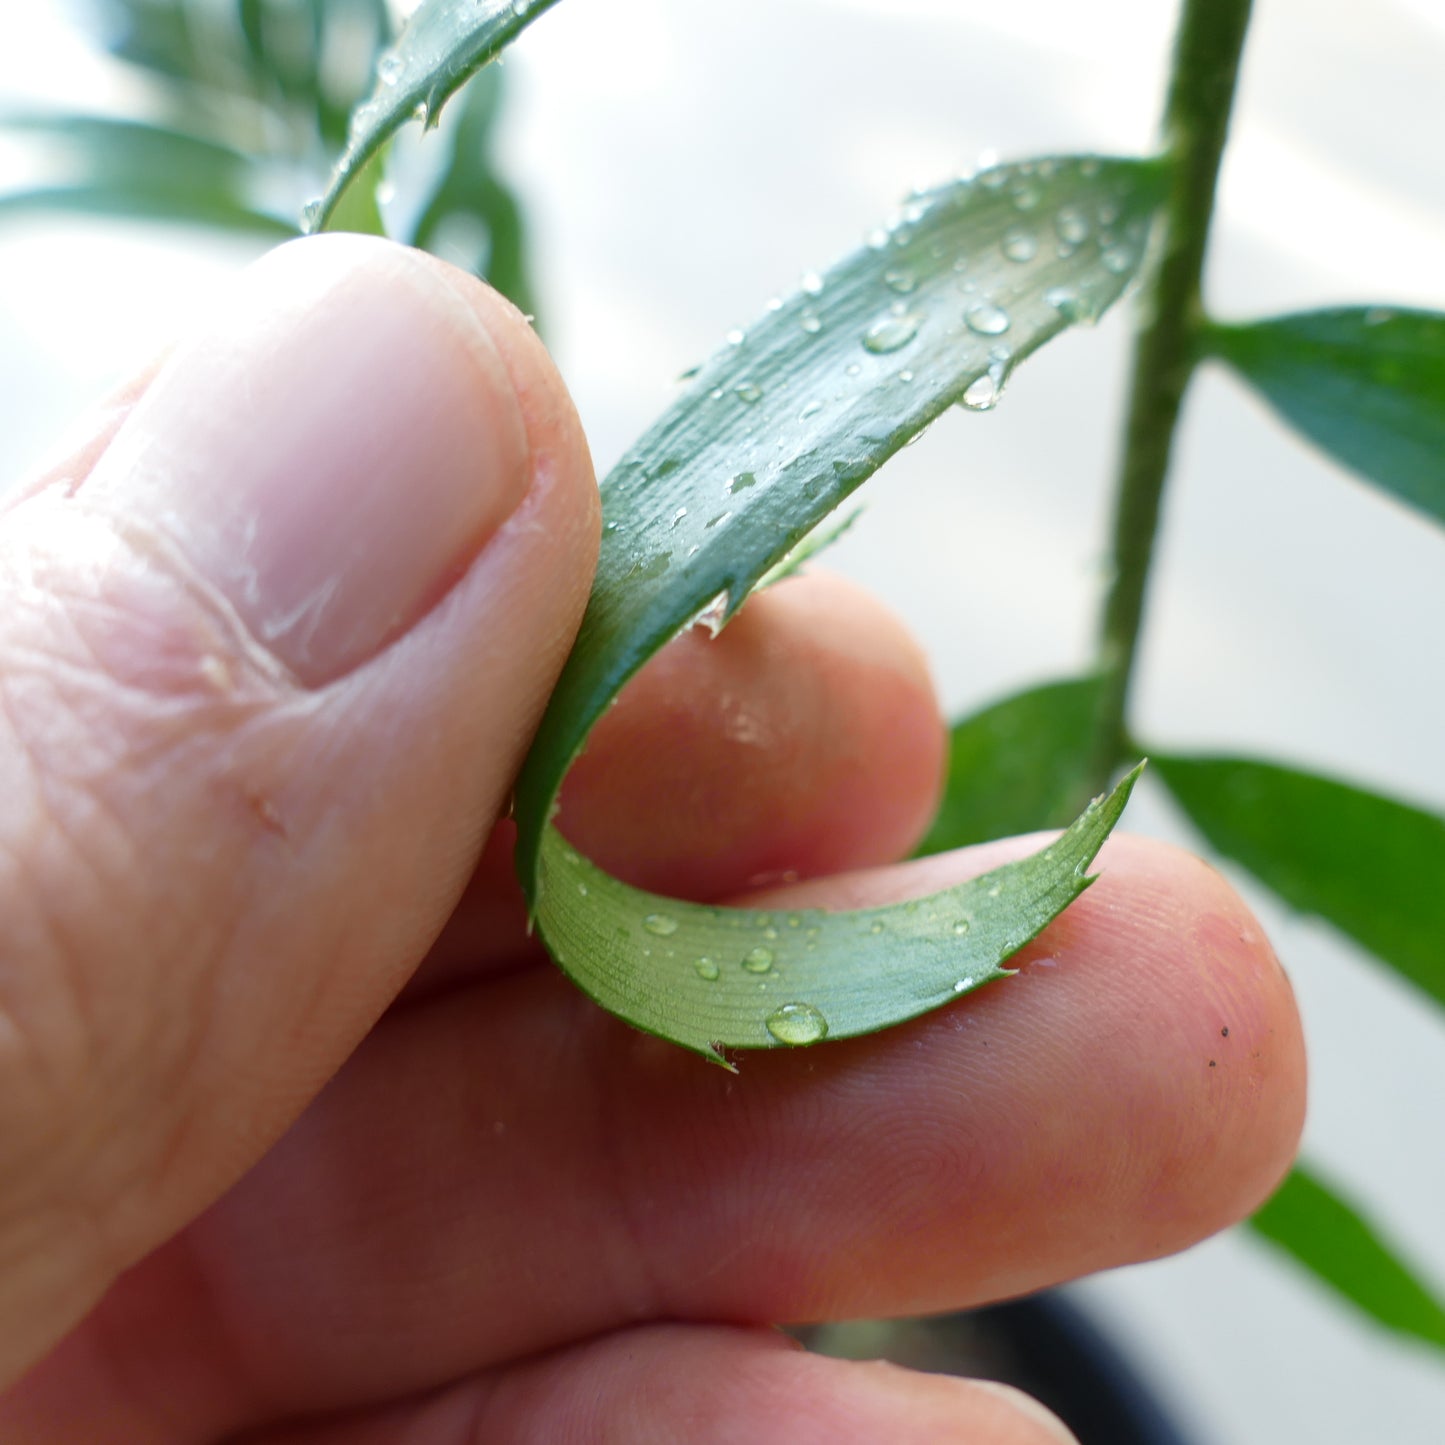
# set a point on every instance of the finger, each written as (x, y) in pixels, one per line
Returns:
(803, 739)
(660, 1385)
(509, 1168)
(267, 674)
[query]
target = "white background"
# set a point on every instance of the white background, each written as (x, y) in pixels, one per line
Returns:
(683, 162)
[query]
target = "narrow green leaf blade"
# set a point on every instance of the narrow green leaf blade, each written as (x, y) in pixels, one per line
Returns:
(130, 168)
(729, 978)
(1366, 384)
(1327, 1235)
(1017, 766)
(789, 419)
(1372, 866)
(776, 431)
(441, 46)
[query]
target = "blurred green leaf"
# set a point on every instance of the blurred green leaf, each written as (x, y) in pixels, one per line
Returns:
(124, 167)
(1372, 866)
(470, 194)
(1367, 384)
(441, 46)
(1327, 1235)
(1019, 765)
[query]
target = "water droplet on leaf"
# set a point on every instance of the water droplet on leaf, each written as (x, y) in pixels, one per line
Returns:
(664, 925)
(982, 394)
(758, 960)
(1071, 225)
(797, 1023)
(1020, 245)
(706, 970)
(987, 319)
(891, 333)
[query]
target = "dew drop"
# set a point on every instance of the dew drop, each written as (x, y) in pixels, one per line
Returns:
(891, 333)
(706, 970)
(852, 369)
(582, 890)
(1071, 225)
(797, 1023)
(388, 67)
(1118, 259)
(810, 322)
(664, 925)
(1064, 300)
(678, 515)
(311, 214)
(906, 376)
(987, 319)
(1020, 245)
(961, 926)
(774, 303)
(963, 985)
(748, 391)
(741, 483)
(736, 337)
(995, 890)
(1025, 198)
(876, 926)
(758, 960)
(812, 409)
(982, 394)
(718, 520)
(900, 280)
(812, 283)
(877, 239)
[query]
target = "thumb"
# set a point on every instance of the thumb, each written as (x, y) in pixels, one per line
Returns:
(267, 667)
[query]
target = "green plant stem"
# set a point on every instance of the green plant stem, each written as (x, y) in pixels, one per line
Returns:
(1196, 121)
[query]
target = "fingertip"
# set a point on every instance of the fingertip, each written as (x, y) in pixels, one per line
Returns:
(803, 739)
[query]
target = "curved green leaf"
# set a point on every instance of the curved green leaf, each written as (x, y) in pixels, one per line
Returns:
(1335, 1243)
(775, 432)
(440, 47)
(125, 167)
(1372, 866)
(1016, 766)
(1367, 384)
(711, 978)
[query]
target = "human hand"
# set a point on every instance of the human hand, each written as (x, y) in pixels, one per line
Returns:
(301, 1138)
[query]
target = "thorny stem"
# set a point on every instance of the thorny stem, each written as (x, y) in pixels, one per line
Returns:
(1207, 49)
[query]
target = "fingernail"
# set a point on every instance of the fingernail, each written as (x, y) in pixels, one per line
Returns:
(331, 452)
